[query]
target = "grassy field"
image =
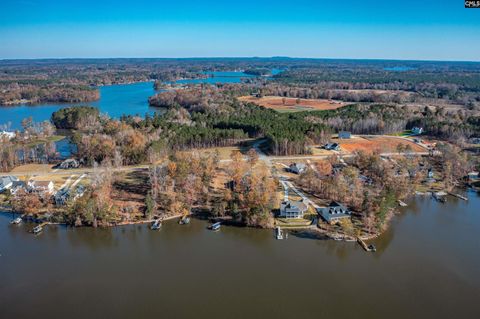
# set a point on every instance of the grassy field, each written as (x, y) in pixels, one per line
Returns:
(382, 144)
(282, 104)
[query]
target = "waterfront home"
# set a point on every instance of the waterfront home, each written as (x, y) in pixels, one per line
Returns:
(334, 212)
(67, 194)
(344, 135)
(6, 182)
(292, 209)
(7, 135)
(332, 147)
(297, 168)
(41, 187)
(474, 140)
(417, 130)
(17, 186)
(68, 164)
(473, 176)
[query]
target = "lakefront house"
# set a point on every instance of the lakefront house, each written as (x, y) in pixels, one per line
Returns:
(292, 209)
(297, 168)
(41, 187)
(334, 212)
(6, 182)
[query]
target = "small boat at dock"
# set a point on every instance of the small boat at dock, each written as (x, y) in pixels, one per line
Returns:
(402, 204)
(157, 224)
(16, 221)
(440, 197)
(184, 220)
(37, 229)
(370, 248)
(215, 226)
(278, 233)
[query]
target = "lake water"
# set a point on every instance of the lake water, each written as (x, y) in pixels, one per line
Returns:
(399, 69)
(115, 100)
(427, 266)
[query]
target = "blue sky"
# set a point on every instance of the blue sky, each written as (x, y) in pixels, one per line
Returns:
(402, 29)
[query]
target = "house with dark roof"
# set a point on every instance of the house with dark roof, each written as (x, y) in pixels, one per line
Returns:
(68, 164)
(334, 212)
(332, 147)
(6, 182)
(292, 209)
(417, 130)
(297, 168)
(344, 135)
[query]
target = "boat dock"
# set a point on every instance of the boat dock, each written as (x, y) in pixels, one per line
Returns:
(459, 196)
(215, 226)
(39, 228)
(369, 248)
(278, 233)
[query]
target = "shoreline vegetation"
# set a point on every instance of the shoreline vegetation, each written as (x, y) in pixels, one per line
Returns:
(226, 151)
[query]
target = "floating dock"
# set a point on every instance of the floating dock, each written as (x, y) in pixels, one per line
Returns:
(459, 196)
(369, 248)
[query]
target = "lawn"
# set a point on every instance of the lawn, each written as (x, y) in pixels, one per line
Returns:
(283, 104)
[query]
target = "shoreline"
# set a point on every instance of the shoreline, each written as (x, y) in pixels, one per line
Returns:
(331, 235)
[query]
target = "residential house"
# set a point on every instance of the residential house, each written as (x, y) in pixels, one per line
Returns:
(344, 135)
(417, 130)
(292, 209)
(332, 147)
(297, 168)
(473, 176)
(17, 186)
(67, 194)
(68, 164)
(8, 135)
(6, 182)
(430, 176)
(42, 187)
(474, 140)
(334, 212)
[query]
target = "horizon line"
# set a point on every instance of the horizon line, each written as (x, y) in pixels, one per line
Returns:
(234, 57)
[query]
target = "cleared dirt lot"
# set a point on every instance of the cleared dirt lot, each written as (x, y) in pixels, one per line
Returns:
(293, 104)
(381, 144)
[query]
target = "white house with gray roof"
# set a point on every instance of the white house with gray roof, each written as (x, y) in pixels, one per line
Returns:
(292, 209)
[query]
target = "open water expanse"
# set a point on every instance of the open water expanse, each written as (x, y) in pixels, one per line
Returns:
(427, 266)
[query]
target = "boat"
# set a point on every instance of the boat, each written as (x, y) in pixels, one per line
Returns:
(215, 226)
(16, 221)
(440, 196)
(278, 233)
(157, 224)
(184, 220)
(372, 248)
(402, 204)
(37, 229)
